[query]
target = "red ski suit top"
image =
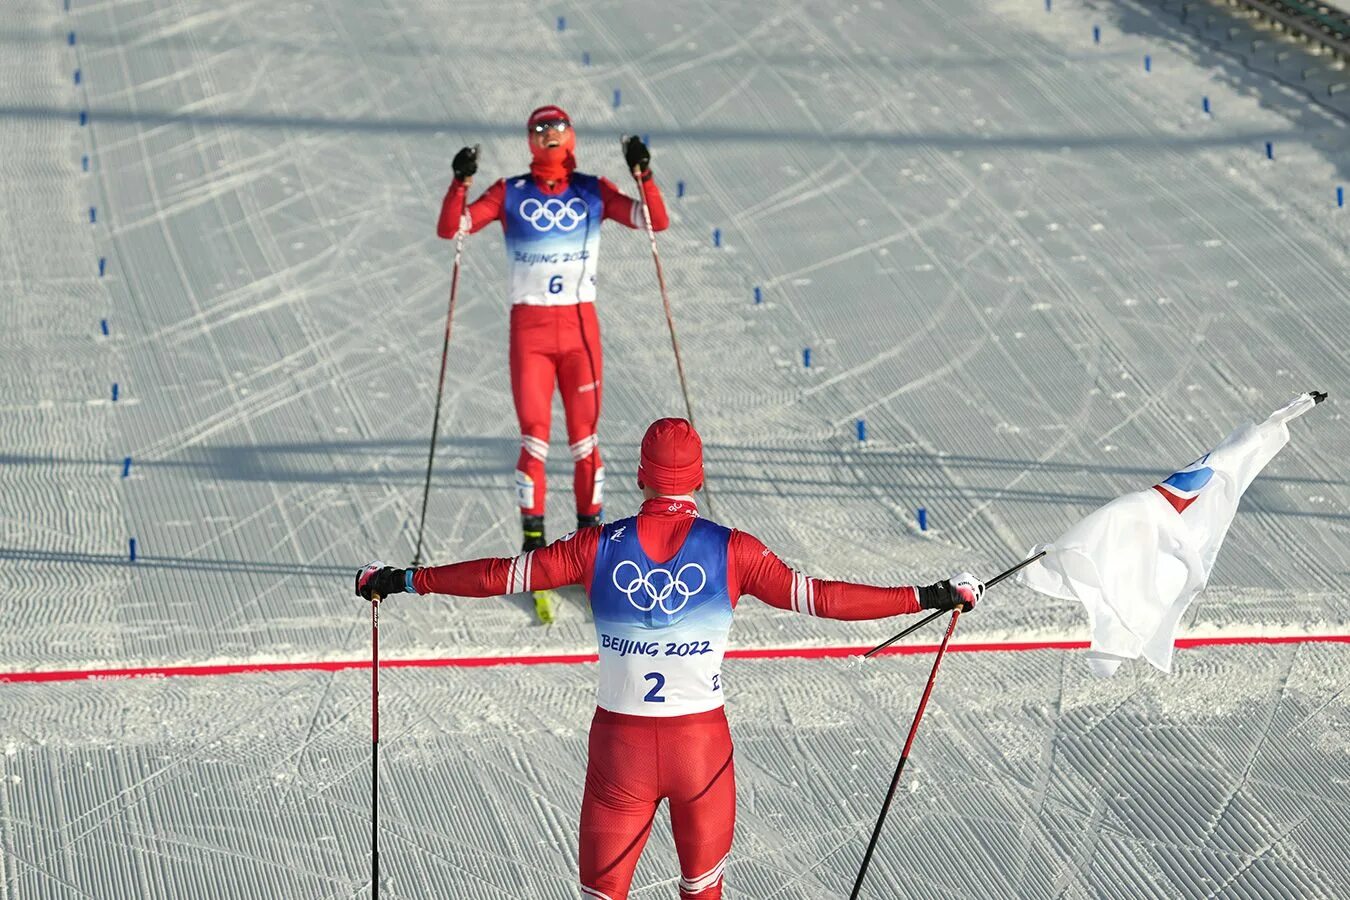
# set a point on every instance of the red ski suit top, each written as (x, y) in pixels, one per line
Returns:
(662, 524)
(491, 208)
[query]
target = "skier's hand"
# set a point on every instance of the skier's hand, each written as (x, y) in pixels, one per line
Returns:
(377, 581)
(964, 590)
(465, 163)
(636, 154)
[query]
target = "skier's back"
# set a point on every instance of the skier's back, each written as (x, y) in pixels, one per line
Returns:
(663, 585)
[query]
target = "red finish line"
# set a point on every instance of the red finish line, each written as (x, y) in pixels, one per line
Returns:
(577, 658)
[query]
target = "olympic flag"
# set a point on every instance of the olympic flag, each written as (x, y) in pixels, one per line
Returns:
(1136, 563)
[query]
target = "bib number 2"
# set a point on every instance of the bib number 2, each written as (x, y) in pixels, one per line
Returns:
(658, 681)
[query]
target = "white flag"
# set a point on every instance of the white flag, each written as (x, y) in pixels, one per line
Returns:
(1136, 563)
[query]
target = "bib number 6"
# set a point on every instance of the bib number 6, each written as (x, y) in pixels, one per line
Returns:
(555, 284)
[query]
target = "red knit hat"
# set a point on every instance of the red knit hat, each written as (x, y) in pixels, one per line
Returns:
(672, 458)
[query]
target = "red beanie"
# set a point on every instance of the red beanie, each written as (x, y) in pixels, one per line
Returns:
(672, 458)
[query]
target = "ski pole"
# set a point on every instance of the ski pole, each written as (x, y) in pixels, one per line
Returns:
(665, 301)
(926, 619)
(904, 756)
(440, 387)
(375, 745)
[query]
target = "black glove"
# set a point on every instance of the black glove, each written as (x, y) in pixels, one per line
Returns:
(636, 154)
(964, 590)
(379, 580)
(465, 163)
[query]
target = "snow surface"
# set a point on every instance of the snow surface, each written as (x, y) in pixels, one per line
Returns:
(1042, 275)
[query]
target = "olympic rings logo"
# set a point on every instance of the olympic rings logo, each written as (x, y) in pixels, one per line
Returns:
(658, 585)
(553, 213)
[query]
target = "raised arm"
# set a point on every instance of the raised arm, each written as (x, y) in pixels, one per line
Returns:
(486, 209)
(626, 211)
(756, 570)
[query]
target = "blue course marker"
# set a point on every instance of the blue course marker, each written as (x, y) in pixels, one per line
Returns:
(923, 519)
(93, 215)
(617, 97)
(679, 189)
(103, 326)
(759, 295)
(585, 57)
(1148, 63)
(562, 23)
(102, 265)
(84, 117)
(1340, 197)
(717, 237)
(77, 76)
(1096, 34)
(647, 139)
(806, 357)
(132, 550)
(1270, 150)
(1047, 5)
(1204, 105)
(862, 431)
(126, 467)
(84, 162)
(115, 392)
(70, 39)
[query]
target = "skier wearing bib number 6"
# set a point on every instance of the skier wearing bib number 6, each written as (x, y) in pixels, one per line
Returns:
(663, 586)
(551, 219)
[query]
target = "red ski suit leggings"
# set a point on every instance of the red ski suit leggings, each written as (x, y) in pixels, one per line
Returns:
(635, 762)
(557, 345)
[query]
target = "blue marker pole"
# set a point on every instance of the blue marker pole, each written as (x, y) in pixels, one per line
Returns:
(84, 117)
(862, 431)
(1270, 150)
(103, 326)
(923, 519)
(70, 39)
(77, 76)
(585, 57)
(133, 550)
(617, 97)
(102, 265)
(717, 237)
(93, 215)
(562, 23)
(115, 392)
(1340, 197)
(759, 295)
(647, 139)
(679, 189)
(126, 467)
(806, 357)
(84, 162)
(1204, 104)
(1148, 63)
(1096, 34)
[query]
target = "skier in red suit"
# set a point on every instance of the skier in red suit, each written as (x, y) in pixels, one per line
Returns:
(663, 586)
(551, 218)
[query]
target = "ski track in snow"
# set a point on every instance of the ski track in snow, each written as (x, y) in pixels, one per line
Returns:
(1042, 275)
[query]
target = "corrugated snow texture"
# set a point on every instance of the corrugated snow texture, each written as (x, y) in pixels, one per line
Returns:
(1040, 273)
(1029, 779)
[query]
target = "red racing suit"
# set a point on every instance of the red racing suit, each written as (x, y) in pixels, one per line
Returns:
(553, 243)
(642, 751)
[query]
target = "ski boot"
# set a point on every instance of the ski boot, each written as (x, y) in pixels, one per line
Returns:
(533, 528)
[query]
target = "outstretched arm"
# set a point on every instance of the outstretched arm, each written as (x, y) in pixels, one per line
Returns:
(563, 562)
(626, 211)
(754, 569)
(487, 208)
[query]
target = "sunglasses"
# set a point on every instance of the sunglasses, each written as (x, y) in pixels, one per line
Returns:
(558, 125)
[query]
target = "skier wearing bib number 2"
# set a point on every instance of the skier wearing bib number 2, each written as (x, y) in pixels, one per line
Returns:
(551, 218)
(663, 586)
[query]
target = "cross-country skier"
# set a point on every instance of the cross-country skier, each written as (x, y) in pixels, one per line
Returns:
(663, 585)
(551, 217)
